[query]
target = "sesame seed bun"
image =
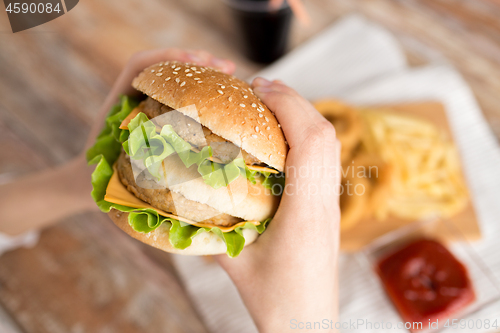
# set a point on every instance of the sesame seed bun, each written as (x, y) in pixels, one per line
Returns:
(224, 104)
(205, 243)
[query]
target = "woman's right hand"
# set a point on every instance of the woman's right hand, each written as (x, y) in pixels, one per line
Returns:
(289, 275)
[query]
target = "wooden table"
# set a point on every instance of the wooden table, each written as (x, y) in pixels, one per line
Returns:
(85, 275)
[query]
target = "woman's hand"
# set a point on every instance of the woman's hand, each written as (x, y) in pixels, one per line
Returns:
(43, 198)
(289, 274)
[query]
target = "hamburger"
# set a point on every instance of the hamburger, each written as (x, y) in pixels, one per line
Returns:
(195, 166)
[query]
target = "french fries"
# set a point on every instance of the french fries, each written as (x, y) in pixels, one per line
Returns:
(427, 179)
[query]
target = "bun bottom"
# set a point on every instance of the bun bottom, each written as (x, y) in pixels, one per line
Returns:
(206, 243)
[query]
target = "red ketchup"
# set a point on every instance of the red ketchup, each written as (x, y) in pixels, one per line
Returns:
(425, 282)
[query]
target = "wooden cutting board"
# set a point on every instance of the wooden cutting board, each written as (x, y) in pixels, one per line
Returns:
(369, 229)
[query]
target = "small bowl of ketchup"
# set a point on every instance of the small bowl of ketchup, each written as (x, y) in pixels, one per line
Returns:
(432, 276)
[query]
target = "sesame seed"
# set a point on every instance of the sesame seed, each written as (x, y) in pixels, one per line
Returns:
(200, 81)
(279, 125)
(178, 69)
(254, 105)
(256, 128)
(254, 136)
(193, 68)
(189, 74)
(235, 87)
(168, 78)
(223, 87)
(177, 80)
(230, 99)
(183, 83)
(260, 115)
(196, 78)
(242, 105)
(152, 71)
(245, 96)
(153, 81)
(261, 108)
(220, 91)
(159, 74)
(161, 70)
(175, 73)
(198, 72)
(266, 119)
(270, 137)
(268, 128)
(262, 133)
(270, 156)
(173, 66)
(187, 70)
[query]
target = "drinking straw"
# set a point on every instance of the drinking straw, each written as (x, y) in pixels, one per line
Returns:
(297, 7)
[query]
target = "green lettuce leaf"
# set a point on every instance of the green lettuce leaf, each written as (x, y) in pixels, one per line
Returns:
(104, 154)
(108, 142)
(146, 144)
(272, 181)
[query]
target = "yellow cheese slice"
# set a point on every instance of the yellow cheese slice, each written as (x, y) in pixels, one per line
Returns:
(117, 193)
(262, 169)
(132, 115)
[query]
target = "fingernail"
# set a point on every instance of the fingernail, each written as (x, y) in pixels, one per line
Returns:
(264, 89)
(260, 81)
(193, 57)
(219, 63)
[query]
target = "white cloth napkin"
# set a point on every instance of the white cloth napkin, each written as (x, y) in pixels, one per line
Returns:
(360, 62)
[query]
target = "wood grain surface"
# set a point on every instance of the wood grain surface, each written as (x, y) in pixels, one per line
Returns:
(85, 275)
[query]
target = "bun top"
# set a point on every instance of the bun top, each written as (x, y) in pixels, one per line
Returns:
(222, 103)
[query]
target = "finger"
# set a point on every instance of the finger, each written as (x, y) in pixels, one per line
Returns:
(224, 65)
(261, 84)
(337, 163)
(296, 115)
(332, 196)
(204, 58)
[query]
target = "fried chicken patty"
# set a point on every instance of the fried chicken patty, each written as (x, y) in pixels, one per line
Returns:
(184, 126)
(166, 200)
